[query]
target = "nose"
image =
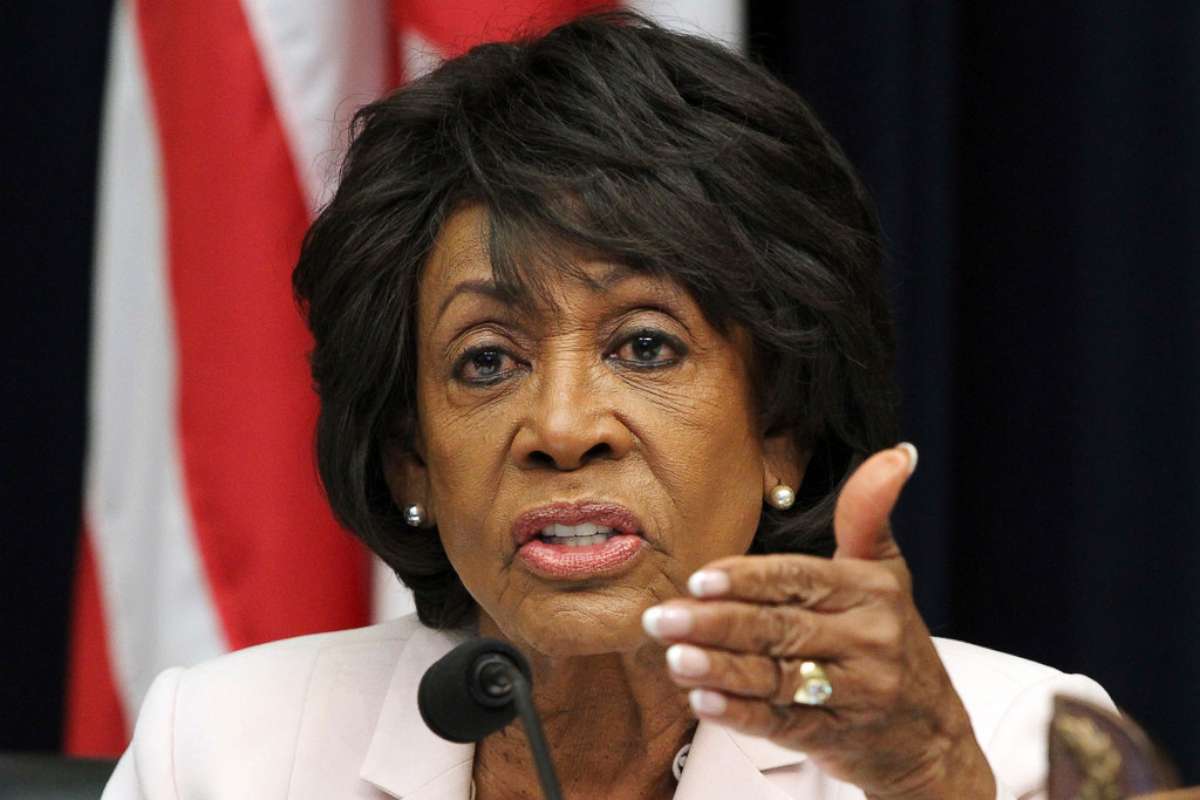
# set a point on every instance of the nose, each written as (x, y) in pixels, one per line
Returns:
(570, 422)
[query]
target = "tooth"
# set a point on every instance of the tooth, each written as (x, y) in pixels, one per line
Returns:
(571, 533)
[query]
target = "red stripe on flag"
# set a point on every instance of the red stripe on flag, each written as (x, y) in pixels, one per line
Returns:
(95, 722)
(456, 27)
(277, 563)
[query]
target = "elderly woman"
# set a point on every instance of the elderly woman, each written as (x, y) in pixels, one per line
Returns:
(604, 363)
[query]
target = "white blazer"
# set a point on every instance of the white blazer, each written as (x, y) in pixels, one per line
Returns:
(335, 716)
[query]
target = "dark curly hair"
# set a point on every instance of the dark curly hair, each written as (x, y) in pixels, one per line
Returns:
(612, 135)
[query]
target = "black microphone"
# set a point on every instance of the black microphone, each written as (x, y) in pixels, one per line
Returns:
(478, 688)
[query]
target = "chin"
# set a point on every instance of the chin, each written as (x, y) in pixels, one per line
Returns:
(573, 625)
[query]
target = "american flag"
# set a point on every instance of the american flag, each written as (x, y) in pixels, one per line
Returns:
(205, 529)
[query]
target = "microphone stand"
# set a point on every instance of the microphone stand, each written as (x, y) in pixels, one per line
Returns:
(500, 678)
(523, 699)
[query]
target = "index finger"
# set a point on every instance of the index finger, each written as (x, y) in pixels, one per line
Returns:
(806, 581)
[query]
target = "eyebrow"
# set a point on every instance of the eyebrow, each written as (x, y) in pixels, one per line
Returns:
(479, 286)
(485, 287)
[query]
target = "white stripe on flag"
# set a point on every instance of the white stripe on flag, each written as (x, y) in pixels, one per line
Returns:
(322, 62)
(722, 20)
(418, 54)
(156, 599)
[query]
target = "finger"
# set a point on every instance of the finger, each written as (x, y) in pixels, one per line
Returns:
(775, 680)
(774, 631)
(798, 727)
(804, 581)
(860, 520)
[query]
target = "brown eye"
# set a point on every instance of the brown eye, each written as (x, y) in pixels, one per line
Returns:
(648, 348)
(484, 365)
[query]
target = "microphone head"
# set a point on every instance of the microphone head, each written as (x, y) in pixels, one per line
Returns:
(452, 700)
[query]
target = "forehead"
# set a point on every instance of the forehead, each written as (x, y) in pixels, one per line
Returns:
(460, 250)
(460, 260)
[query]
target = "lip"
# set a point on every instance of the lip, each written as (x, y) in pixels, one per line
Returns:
(561, 562)
(608, 515)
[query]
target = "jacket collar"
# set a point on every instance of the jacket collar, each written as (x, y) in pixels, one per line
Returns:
(763, 753)
(407, 760)
(724, 763)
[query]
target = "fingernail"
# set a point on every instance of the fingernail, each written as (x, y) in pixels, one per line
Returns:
(688, 661)
(706, 702)
(708, 583)
(663, 621)
(911, 450)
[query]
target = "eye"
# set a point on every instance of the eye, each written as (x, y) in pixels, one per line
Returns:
(649, 348)
(484, 365)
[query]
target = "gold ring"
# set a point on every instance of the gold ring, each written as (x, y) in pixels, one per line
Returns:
(815, 688)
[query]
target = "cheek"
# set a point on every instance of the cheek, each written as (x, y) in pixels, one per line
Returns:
(720, 490)
(465, 458)
(706, 452)
(466, 445)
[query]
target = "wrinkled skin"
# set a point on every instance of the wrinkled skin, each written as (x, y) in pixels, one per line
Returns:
(616, 389)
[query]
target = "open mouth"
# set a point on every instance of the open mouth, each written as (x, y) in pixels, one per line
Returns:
(581, 535)
(578, 540)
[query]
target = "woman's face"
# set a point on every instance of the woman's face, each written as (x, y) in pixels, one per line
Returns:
(609, 402)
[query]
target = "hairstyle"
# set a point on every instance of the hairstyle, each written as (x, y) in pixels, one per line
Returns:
(609, 134)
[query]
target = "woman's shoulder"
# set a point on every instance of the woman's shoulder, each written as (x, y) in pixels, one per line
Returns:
(384, 636)
(1010, 700)
(971, 662)
(990, 682)
(279, 670)
(197, 723)
(278, 676)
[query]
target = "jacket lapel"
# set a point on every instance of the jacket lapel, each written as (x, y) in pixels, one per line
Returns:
(406, 759)
(723, 763)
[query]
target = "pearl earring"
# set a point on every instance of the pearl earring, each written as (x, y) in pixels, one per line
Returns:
(414, 515)
(781, 497)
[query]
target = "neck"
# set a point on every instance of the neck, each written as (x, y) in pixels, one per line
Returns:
(614, 723)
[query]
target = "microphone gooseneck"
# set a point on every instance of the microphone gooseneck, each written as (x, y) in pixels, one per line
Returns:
(523, 700)
(478, 688)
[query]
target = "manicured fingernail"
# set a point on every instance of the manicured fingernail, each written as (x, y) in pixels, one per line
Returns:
(688, 661)
(663, 621)
(708, 583)
(706, 702)
(911, 450)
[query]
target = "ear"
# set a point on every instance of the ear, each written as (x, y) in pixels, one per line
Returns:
(407, 476)
(784, 461)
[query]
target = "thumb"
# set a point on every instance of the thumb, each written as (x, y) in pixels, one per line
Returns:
(860, 520)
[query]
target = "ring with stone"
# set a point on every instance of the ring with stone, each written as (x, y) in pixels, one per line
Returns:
(815, 687)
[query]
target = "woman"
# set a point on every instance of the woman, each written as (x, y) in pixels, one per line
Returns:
(603, 354)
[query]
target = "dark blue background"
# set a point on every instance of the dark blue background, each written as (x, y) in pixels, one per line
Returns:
(1037, 168)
